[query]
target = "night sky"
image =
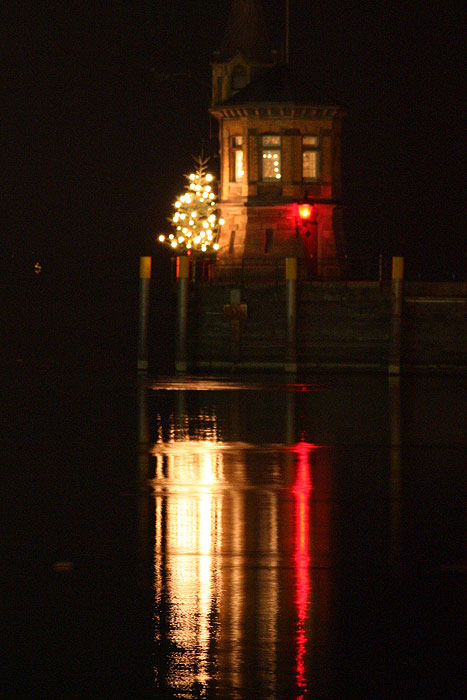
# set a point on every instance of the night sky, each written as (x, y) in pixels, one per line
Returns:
(107, 102)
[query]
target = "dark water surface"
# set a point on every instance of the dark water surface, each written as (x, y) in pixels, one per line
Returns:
(218, 538)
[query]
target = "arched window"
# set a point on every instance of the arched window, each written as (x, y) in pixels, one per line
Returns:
(239, 79)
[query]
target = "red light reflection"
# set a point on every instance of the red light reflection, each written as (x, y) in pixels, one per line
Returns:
(301, 490)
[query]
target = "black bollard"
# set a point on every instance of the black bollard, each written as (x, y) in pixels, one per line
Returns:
(144, 282)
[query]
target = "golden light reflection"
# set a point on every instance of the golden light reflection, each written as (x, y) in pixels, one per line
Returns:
(268, 589)
(223, 594)
(235, 582)
(188, 532)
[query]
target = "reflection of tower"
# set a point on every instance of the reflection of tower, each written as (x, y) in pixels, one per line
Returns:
(268, 590)
(202, 607)
(188, 531)
(143, 431)
(290, 417)
(321, 516)
(180, 417)
(241, 560)
(144, 505)
(232, 604)
(395, 464)
(249, 603)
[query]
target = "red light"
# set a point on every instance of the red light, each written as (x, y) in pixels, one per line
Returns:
(305, 211)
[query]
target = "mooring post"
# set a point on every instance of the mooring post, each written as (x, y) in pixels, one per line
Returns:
(394, 366)
(144, 284)
(235, 301)
(182, 313)
(143, 429)
(291, 306)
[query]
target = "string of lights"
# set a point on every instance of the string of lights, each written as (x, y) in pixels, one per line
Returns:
(195, 221)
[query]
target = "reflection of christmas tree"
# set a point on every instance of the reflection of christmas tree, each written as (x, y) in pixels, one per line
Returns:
(195, 222)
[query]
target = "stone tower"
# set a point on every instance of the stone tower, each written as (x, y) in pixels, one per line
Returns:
(280, 145)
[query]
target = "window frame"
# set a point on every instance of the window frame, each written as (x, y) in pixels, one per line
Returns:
(271, 148)
(236, 146)
(313, 148)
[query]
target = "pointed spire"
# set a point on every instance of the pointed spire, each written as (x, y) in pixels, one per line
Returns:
(246, 32)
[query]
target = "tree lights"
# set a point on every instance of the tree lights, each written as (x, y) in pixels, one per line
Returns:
(195, 222)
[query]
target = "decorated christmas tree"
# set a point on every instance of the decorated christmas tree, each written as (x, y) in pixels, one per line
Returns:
(195, 222)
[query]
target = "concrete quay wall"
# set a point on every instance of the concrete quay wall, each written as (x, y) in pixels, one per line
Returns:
(339, 325)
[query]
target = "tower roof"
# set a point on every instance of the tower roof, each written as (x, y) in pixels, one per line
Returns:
(246, 32)
(283, 84)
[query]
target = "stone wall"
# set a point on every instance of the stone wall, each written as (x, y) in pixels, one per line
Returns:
(434, 325)
(345, 324)
(339, 325)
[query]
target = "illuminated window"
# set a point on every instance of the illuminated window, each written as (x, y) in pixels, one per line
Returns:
(237, 159)
(310, 154)
(271, 157)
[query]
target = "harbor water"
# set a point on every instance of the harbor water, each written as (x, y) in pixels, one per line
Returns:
(236, 538)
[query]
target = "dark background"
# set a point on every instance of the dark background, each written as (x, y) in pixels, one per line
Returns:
(107, 103)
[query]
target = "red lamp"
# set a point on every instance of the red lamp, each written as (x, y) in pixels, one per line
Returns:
(305, 211)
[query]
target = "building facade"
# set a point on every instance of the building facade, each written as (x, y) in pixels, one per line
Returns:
(280, 147)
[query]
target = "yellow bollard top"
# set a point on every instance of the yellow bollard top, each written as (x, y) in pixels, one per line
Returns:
(145, 268)
(183, 267)
(291, 268)
(397, 268)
